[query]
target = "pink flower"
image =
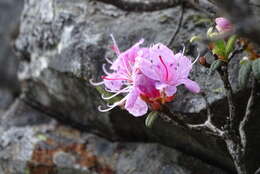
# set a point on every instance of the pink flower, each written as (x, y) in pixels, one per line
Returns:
(168, 70)
(223, 25)
(127, 79)
(145, 77)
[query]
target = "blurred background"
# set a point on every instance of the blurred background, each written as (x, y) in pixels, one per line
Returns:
(49, 122)
(10, 14)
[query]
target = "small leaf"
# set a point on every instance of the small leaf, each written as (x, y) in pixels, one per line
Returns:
(219, 48)
(256, 68)
(244, 60)
(152, 116)
(230, 44)
(210, 31)
(214, 66)
(244, 72)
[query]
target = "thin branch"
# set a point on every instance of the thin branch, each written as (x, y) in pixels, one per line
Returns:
(178, 27)
(237, 51)
(229, 92)
(207, 128)
(249, 109)
(208, 123)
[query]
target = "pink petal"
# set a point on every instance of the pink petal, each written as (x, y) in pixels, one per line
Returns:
(184, 65)
(127, 58)
(115, 84)
(223, 24)
(163, 51)
(139, 108)
(132, 98)
(190, 85)
(169, 90)
(146, 86)
(148, 69)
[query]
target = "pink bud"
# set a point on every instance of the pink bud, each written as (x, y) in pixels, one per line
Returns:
(223, 25)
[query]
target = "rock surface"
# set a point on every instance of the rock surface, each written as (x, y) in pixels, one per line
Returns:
(46, 147)
(62, 45)
(9, 87)
(9, 9)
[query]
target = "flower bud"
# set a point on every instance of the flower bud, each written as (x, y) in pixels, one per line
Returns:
(223, 25)
(150, 119)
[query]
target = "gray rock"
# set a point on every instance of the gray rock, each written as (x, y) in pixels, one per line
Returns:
(62, 44)
(10, 11)
(48, 147)
(67, 41)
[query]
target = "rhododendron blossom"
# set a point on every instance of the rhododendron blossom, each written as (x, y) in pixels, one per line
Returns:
(223, 25)
(168, 70)
(146, 76)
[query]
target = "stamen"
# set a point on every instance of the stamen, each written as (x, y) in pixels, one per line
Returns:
(106, 78)
(109, 90)
(105, 70)
(166, 69)
(104, 110)
(108, 61)
(196, 58)
(115, 45)
(116, 94)
(110, 107)
(183, 50)
(95, 83)
(126, 67)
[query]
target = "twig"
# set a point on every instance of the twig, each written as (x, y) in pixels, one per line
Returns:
(178, 27)
(249, 107)
(236, 51)
(207, 127)
(208, 123)
(229, 92)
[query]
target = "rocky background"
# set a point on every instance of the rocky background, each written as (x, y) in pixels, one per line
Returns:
(49, 123)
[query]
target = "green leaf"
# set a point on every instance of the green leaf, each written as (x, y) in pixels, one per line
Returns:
(214, 66)
(230, 45)
(150, 119)
(244, 60)
(256, 68)
(103, 92)
(219, 48)
(244, 72)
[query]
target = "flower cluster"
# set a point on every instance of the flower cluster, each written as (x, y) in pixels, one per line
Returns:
(146, 76)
